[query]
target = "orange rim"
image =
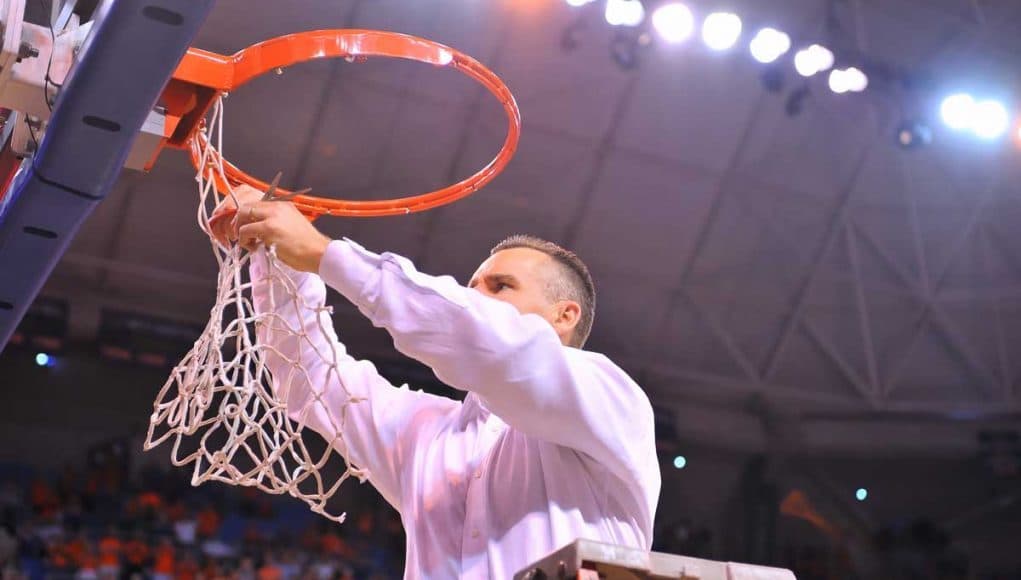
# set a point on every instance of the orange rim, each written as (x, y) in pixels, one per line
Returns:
(202, 75)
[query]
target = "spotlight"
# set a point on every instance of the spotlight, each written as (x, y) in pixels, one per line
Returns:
(812, 60)
(44, 360)
(680, 461)
(913, 135)
(861, 494)
(848, 80)
(991, 120)
(624, 12)
(958, 111)
(987, 119)
(577, 3)
(769, 44)
(721, 30)
(856, 80)
(838, 82)
(674, 22)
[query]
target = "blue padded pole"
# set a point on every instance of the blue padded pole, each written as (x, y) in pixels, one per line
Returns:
(131, 52)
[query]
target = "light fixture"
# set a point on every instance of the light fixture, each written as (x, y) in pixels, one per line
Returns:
(674, 22)
(838, 82)
(848, 80)
(856, 80)
(624, 12)
(812, 60)
(987, 119)
(769, 44)
(958, 111)
(991, 120)
(721, 30)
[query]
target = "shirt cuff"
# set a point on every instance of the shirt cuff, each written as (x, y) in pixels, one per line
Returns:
(347, 268)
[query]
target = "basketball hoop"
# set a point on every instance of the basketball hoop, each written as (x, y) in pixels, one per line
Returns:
(229, 406)
(202, 76)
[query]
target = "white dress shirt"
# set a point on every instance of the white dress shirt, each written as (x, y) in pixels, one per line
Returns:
(551, 443)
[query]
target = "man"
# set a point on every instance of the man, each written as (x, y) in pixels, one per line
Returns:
(551, 443)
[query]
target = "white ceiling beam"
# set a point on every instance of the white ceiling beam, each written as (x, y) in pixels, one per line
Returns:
(834, 223)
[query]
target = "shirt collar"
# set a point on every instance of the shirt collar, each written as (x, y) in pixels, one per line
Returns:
(474, 409)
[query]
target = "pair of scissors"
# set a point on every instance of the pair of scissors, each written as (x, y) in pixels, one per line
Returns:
(271, 195)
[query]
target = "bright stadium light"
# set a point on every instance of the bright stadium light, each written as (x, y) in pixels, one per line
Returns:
(991, 120)
(42, 359)
(839, 82)
(624, 12)
(857, 81)
(769, 44)
(721, 30)
(861, 494)
(958, 111)
(848, 80)
(674, 22)
(812, 60)
(577, 3)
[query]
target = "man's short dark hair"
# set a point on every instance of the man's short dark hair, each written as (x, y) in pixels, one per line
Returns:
(572, 281)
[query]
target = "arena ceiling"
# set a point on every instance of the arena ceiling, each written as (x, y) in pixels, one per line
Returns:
(749, 263)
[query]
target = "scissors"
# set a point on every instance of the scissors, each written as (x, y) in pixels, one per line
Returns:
(271, 195)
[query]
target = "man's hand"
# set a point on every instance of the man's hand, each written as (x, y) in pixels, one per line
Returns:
(298, 243)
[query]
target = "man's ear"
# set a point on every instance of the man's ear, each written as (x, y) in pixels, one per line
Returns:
(568, 316)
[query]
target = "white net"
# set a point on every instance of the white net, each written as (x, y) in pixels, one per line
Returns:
(222, 407)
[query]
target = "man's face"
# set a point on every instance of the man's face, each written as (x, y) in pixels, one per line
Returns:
(517, 276)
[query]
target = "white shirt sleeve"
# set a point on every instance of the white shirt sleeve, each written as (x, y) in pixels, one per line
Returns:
(515, 363)
(377, 433)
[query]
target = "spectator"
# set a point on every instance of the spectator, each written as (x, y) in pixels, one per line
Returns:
(88, 567)
(211, 569)
(110, 554)
(8, 548)
(43, 499)
(32, 553)
(208, 521)
(136, 556)
(246, 570)
(163, 562)
(187, 568)
(77, 550)
(186, 528)
(148, 506)
(290, 564)
(269, 569)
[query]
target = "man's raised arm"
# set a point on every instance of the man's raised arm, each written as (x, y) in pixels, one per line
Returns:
(307, 360)
(514, 362)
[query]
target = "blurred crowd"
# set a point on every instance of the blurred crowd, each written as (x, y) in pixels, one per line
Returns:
(112, 519)
(100, 521)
